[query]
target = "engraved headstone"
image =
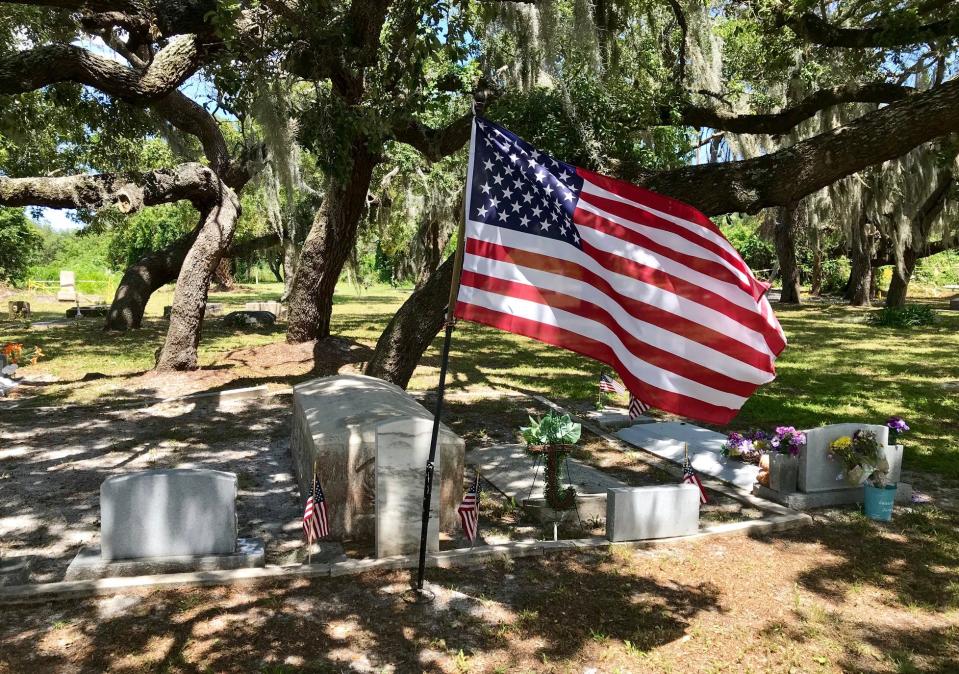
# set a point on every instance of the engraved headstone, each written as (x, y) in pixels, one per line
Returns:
(340, 426)
(820, 472)
(18, 309)
(165, 513)
(661, 511)
(402, 448)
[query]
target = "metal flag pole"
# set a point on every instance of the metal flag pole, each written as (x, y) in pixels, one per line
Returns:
(444, 363)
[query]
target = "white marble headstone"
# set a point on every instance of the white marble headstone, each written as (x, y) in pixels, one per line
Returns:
(68, 287)
(402, 448)
(820, 472)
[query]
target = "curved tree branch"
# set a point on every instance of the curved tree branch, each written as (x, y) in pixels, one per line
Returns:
(784, 177)
(434, 144)
(35, 68)
(785, 120)
(897, 30)
(128, 192)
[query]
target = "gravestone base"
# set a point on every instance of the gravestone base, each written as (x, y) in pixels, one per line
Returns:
(95, 311)
(824, 499)
(589, 507)
(14, 571)
(89, 565)
(661, 511)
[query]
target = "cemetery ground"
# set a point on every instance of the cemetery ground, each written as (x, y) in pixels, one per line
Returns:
(844, 594)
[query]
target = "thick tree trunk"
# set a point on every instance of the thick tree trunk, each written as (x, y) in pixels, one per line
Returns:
(412, 329)
(139, 282)
(899, 285)
(289, 268)
(815, 243)
(179, 352)
(223, 276)
(861, 252)
(785, 240)
(326, 249)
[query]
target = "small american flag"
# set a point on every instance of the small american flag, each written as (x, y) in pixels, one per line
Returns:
(469, 510)
(636, 280)
(690, 477)
(609, 385)
(315, 523)
(637, 407)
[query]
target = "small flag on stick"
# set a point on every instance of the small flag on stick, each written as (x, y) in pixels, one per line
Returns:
(315, 522)
(637, 407)
(609, 385)
(469, 510)
(690, 477)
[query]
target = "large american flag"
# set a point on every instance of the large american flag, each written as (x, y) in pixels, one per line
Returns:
(469, 510)
(316, 525)
(644, 283)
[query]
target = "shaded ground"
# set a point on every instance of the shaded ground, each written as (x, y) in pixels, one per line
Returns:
(52, 463)
(846, 595)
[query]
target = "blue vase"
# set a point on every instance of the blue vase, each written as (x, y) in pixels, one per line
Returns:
(879, 501)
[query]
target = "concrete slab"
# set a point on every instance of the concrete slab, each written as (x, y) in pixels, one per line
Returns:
(825, 499)
(510, 469)
(615, 418)
(89, 565)
(666, 439)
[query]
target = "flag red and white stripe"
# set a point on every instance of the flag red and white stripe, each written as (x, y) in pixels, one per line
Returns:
(637, 408)
(690, 477)
(609, 385)
(316, 524)
(644, 283)
(469, 510)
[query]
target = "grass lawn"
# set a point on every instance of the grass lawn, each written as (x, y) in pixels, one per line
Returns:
(836, 368)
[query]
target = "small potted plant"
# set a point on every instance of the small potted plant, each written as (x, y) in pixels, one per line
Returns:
(864, 462)
(553, 436)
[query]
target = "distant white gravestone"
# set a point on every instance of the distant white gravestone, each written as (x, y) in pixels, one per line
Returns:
(68, 287)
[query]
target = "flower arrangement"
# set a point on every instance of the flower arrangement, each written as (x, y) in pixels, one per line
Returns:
(787, 440)
(12, 352)
(552, 435)
(748, 447)
(897, 426)
(862, 458)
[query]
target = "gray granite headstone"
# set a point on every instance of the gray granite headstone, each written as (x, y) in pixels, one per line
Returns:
(168, 513)
(402, 449)
(661, 511)
(820, 472)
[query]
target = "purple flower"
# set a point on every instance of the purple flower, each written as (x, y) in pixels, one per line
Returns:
(897, 424)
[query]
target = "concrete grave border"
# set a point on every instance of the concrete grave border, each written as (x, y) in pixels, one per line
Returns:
(781, 518)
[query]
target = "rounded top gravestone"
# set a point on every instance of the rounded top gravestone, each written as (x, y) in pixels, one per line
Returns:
(168, 513)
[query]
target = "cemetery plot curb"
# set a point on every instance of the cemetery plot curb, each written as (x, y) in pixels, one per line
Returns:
(29, 594)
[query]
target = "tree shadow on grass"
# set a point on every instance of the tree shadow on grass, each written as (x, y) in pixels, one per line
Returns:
(518, 615)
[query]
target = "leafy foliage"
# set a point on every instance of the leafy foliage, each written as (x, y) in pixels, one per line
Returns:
(552, 429)
(908, 316)
(20, 244)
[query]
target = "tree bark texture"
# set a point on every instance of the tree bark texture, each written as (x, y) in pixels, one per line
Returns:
(218, 223)
(412, 329)
(141, 280)
(899, 285)
(326, 250)
(785, 241)
(861, 252)
(38, 67)
(919, 246)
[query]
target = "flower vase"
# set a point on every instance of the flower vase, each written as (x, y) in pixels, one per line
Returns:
(783, 472)
(878, 502)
